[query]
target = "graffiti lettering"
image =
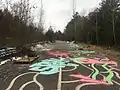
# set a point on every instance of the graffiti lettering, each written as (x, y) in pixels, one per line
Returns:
(51, 66)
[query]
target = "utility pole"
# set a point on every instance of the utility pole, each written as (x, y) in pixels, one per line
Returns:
(74, 7)
(40, 24)
(74, 16)
(97, 27)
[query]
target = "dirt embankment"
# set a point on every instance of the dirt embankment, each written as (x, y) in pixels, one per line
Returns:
(112, 53)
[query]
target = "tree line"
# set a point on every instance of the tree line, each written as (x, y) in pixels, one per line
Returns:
(100, 26)
(17, 25)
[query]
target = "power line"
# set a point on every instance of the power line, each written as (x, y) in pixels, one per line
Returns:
(35, 3)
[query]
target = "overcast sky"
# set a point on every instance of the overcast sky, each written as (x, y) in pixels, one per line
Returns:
(58, 13)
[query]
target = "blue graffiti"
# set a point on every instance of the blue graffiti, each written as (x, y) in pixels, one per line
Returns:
(50, 66)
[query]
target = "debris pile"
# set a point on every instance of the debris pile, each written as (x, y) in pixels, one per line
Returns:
(4, 62)
(4, 52)
(39, 48)
(73, 46)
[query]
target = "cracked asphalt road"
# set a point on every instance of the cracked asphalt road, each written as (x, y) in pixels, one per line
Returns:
(92, 76)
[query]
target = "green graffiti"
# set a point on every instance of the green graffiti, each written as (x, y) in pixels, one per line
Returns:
(94, 76)
(79, 61)
(51, 66)
(110, 76)
(95, 70)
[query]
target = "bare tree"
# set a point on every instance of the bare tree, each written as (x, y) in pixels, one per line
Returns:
(22, 10)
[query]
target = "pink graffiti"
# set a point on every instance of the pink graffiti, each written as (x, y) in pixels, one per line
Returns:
(98, 61)
(88, 79)
(57, 53)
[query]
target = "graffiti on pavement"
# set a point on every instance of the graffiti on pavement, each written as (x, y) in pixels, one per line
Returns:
(88, 79)
(27, 83)
(51, 66)
(59, 54)
(103, 67)
(92, 64)
(94, 61)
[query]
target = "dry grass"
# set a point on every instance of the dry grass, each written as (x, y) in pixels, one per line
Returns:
(111, 53)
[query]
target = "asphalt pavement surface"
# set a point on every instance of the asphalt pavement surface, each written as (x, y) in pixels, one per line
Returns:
(62, 68)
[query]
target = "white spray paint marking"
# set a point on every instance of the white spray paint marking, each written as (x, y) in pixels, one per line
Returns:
(34, 81)
(117, 74)
(13, 81)
(116, 82)
(115, 69)
(70, 69)
(23, 86)
(84, 84)
(59, 80)
(66, 82)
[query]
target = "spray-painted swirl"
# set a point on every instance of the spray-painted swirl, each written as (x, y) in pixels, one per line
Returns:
(94, 76)
(110, 76)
